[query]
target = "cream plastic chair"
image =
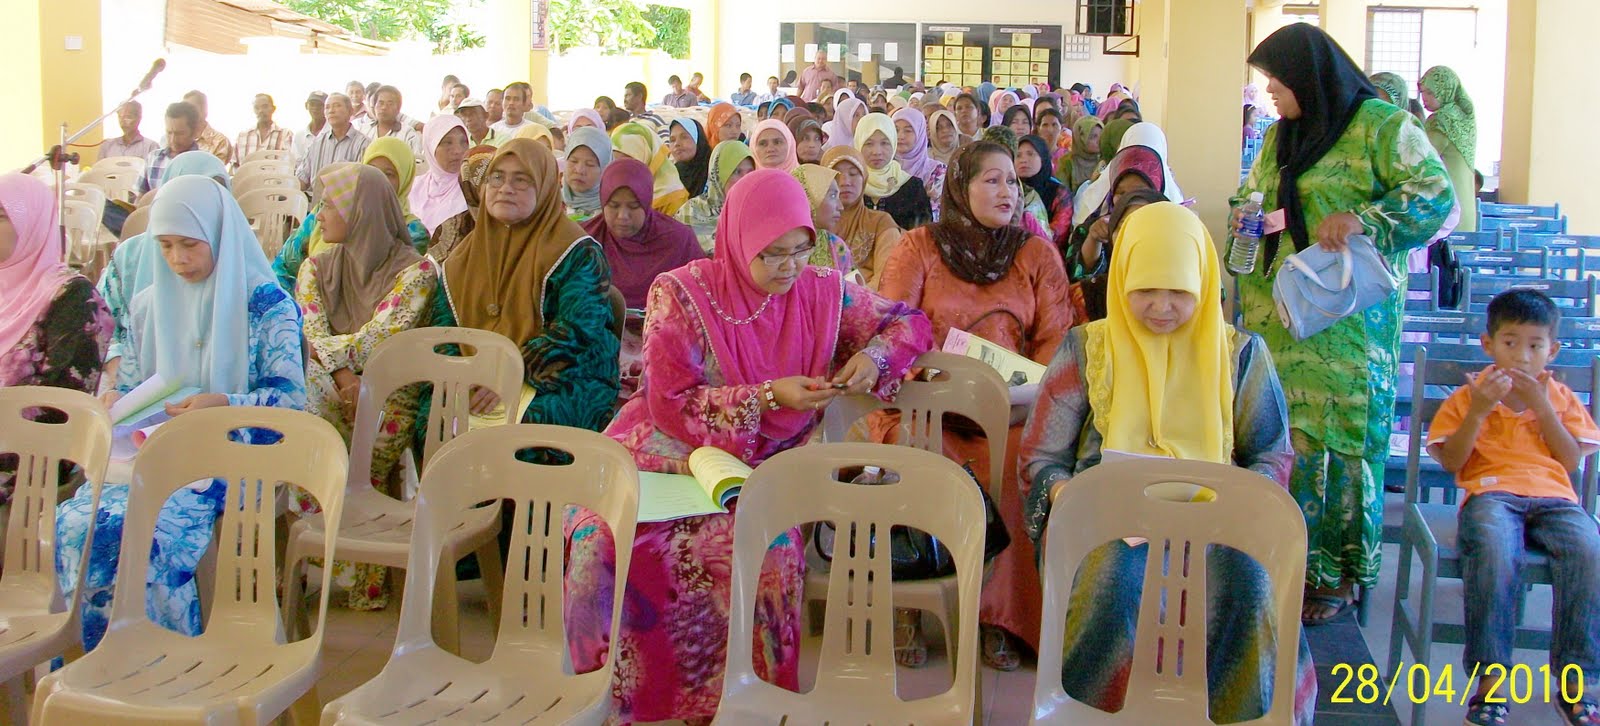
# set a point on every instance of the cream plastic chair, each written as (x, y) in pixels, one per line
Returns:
(377, 528)
(269, 155)
(970, 388)
(81, 220)
(239, 670)
(273, 214)
(91, 194)
(133, 164)
(269, 167)
(856, 671)
(287, 184)
(35, 622)
(118, 177)
(529, 677)
(1111, 501)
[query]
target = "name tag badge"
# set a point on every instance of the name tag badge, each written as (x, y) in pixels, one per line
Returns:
(1488, 482)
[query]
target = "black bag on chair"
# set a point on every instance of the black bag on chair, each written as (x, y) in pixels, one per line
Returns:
(1447, 269)
(915, 554)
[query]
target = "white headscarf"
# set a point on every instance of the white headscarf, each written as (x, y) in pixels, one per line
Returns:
(1094, 194)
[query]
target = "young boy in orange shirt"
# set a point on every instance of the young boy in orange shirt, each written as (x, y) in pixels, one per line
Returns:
(1513, 436)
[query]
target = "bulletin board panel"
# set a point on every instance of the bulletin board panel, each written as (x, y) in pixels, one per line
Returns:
(967, 54)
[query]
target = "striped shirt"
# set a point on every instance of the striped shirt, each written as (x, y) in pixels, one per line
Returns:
(325, 149)
(277, 138)
(115, 147)
(154, 165)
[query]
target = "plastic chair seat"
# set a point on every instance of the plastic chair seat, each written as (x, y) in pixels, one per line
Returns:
(378, 530)
(433, 687)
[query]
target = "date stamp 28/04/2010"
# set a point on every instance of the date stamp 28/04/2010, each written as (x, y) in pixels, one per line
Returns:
(1518, 684)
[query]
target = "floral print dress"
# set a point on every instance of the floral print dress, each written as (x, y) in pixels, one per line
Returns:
(675, 613)
(407, 306)
(183, 530)
(1340, 383)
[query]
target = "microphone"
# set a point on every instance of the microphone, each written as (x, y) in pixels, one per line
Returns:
(149, 78)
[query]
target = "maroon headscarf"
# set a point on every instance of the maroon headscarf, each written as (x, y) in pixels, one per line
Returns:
(757, 337)
(662, 244)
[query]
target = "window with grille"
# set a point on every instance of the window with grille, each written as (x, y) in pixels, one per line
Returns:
(1394, 41)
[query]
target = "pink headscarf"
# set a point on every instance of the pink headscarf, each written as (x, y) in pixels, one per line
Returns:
(34, 273)
(1108, 107)
(916, 162)
(788, 334)
(790, 163)
(436, 195)
(840, 131)
(586, 113)
(998, 103)
(661, 245)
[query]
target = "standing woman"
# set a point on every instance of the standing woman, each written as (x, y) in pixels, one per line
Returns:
(588, 155)
(911, 150)
(54, 327)
(1341, 162)
(1077, 169)
(773, 146)
(975, 271)
(1453, 130)
(742, 352)
(691, 154)
(635, 141)
(368, 285)
(436, 194)
(870, 234)
(530, 274)
(890, 188)
(944, 137)
(822, 191)
(729, 161)
(213, 318)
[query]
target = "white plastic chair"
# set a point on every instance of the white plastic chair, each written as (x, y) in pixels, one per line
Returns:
(133, 164)
(117, 176)
(377, 528)
(269, 155)
(1250, 514)
(35, 622)
(529, 678)
(269, 167)
(88, 193)
(856, 668)
(82, 223)
(239, 670)
(273, 214)
(287, 184)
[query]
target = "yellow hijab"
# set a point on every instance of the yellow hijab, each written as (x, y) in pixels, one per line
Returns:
(405, 164)
(636, 142)
(886, 181)
(1174, 393)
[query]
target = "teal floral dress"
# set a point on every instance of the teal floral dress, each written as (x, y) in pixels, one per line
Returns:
(1340, 383)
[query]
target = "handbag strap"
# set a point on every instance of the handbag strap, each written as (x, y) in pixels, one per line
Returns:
(1346, 272)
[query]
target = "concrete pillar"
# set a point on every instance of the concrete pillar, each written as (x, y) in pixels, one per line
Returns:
(1548, 157)
(1346, 21)
(53, 48)
(510, 39)
(1265, 19)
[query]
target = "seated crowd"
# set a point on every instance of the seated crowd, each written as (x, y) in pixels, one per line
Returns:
(687, 284)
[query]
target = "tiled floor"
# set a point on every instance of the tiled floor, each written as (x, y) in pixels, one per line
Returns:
(358, 644)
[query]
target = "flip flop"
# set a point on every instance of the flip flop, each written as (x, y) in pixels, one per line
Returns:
(1343, 606)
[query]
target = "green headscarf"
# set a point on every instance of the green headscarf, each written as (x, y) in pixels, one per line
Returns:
(1111, 139)
(1083, 161)
(1455, 117)
(1393, 85)
(1002, 135)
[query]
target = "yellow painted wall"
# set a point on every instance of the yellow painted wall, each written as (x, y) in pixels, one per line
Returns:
(70, 79)
(509, 39)
(1561, 148)
(1202, 134)
(1346, 21)
(21, 130)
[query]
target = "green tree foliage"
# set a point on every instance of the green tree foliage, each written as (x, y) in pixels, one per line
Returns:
(394, 20)
(618, 25)
(671, 28)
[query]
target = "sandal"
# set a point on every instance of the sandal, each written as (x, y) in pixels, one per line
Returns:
(910, 648)
(1340, 606)
(1482, 713)
(999, 652)
(1582, 713)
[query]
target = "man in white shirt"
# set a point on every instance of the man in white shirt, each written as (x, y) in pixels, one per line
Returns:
(388, 121)
(516, 103)
(131, 142)
(356, 91)
(319, 121)
(772, 93)
(339, 141)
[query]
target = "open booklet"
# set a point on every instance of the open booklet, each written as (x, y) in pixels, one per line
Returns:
(497, 416)
(1017, 370)
(716, 480)
(147, 400)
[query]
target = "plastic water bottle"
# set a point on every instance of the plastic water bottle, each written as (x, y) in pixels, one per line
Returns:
(1246, 244)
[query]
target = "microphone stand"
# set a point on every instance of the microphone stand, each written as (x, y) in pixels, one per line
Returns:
(58, 156)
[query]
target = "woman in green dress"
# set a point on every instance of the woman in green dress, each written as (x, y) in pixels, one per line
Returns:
(1340, 163)
(1453, 130)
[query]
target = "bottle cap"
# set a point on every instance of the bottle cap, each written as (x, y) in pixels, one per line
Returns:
(1256, 197)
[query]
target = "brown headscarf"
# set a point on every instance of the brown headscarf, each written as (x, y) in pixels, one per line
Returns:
(859, 226)
(495, 277)
(975, 253)
(358, 273)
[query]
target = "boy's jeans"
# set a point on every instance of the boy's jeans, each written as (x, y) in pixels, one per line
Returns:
(1496, 528)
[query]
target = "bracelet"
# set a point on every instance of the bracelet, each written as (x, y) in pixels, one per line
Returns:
(772, 400)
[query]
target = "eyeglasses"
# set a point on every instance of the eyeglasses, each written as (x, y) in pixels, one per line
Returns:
(519, 182)
(776, 261)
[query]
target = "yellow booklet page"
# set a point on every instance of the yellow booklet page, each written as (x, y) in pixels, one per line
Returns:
(716, 479)
(497, 417)
(1016, 369)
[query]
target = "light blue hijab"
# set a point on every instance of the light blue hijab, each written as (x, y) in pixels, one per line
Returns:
(197, 334)
(587, 203)
(137, 258)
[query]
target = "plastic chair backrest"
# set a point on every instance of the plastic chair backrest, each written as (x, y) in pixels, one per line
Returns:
(84, 438)
(81, 221)
(89, 193)
(1250, 514)
(287, 202)
(270, 155)
(117, 182)
(196, 447)
(856, 668)
(410, 357)
(137, 222)
(480, 466)
(131, 164)
(968, 388)
(273, 167)
(249, 184)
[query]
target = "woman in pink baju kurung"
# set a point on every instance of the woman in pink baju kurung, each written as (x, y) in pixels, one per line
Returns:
(741, 361)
